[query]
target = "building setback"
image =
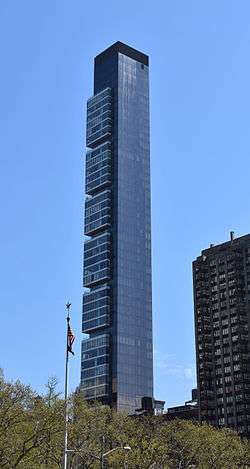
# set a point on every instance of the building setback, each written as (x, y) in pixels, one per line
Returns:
(221, 276)
(187, 411)
(116, 365)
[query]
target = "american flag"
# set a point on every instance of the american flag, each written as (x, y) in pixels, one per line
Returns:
(71, 339)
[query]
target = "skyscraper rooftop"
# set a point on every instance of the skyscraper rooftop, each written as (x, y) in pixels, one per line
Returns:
(120, 47)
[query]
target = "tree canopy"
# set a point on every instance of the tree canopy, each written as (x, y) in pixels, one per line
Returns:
(32, 436)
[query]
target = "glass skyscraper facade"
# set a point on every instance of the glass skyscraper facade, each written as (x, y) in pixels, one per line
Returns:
(117, 362)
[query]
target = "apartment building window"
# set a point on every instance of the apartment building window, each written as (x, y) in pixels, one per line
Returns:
(237, 367)
(235, 338)
(222, 277)
(236, 357)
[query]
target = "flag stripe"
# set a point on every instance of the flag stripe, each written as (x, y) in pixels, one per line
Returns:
(71, 339)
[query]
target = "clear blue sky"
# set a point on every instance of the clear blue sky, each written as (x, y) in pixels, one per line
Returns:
(200, 146)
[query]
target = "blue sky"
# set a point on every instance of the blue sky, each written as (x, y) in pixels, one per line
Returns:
(200, 145)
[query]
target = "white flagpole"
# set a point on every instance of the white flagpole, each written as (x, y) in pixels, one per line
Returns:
(65, 459)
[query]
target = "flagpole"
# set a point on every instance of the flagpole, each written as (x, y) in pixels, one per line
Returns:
(65, 459)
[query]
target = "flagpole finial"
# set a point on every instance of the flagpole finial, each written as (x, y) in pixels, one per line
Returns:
(68, 305)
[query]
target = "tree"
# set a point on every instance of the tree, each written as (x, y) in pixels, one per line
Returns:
(32, 436)
(25, 420)
(52, 408)
(221, 449)
(93, 430)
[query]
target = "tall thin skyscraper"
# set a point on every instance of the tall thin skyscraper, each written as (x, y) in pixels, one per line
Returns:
(117, 365)
(222, 320)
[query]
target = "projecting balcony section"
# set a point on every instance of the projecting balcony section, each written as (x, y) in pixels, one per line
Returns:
(97, 263)
(96, 309)
(100, 389)
(95, 366)
(97, 274)
(97, 213)
(98, 168)
(99, 118)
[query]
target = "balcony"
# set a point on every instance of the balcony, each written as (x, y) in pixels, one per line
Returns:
(98, 168)
(98, 274)
(95, 392)
(95, 366)
(97, 260)
(97, 213)
(99, 118)
(96, 309)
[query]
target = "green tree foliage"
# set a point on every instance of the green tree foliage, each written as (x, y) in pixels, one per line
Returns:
(32, 436)
(31, 427)
(202, 446)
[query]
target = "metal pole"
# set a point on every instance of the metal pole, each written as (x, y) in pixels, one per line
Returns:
(65, 459)
(102, 453)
